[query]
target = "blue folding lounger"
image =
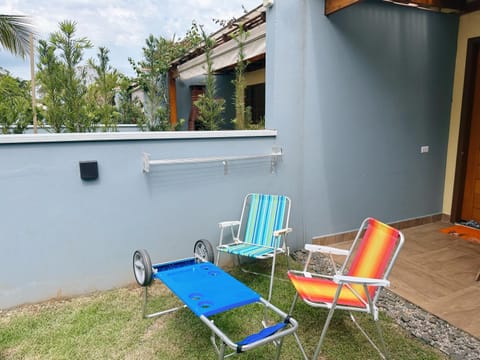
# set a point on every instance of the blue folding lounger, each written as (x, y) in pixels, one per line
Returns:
(207, 290)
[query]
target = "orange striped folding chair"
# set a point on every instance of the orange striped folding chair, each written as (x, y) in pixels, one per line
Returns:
(357, 284)
(261, 232)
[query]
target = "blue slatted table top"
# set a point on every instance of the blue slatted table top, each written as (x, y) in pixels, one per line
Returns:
(205, 288)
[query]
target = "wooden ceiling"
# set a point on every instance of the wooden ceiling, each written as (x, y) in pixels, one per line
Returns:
(446, 6)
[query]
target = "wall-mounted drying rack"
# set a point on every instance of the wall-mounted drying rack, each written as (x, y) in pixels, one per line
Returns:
(274, 155)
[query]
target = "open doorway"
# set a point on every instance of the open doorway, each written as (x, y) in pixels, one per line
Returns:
(466, 197)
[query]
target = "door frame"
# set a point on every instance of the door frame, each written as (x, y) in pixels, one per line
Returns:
(473, 51)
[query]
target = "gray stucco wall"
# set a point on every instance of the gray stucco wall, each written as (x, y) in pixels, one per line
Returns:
(61, 235)
(354, 97)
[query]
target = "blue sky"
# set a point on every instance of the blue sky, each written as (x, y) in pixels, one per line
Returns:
(120, 25)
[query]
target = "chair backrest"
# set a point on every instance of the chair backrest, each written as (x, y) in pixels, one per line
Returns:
(373, 255)
(265, 214)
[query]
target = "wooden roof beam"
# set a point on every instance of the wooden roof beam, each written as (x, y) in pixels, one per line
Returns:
(455, 5)
(332, 6)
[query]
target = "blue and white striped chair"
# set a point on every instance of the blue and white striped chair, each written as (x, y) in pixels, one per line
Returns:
(261, 231)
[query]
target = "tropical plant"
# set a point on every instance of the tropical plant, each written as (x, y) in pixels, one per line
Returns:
(50, 80)
(63, 81)
(15, 33)
(101, 94)
(130, 109)
(152, 76)
(15, 104)
(210, 108)
(74, 77)
(243, 114)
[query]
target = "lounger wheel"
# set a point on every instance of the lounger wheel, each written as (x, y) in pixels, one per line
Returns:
(203, 250)
(142, 267)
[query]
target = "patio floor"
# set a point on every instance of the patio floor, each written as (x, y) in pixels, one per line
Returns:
(437, 272)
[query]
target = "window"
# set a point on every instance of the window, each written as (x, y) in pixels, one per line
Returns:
(255, 99)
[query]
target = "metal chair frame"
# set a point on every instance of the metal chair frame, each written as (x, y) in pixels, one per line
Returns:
(223, 345)
(278, 243)
(346, 281)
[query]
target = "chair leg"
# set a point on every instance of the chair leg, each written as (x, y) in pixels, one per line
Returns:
(287, 255)
(271, 278)
(221, 353)
(304, 354)
(294, 302)
(324, 332)
(220, 242)
(279, 349)
(145, 300)
(327, 322)
(384, 354)
(382, 341)
(297, 339)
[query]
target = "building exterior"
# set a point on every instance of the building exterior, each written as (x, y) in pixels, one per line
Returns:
(355, 96)
(188, 73)
(372, 107)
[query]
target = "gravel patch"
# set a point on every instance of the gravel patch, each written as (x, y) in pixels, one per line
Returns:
(432, 330)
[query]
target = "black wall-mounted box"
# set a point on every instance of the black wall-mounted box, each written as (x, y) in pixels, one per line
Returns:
(88, 170)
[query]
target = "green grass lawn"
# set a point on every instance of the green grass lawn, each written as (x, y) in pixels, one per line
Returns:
(109, 325)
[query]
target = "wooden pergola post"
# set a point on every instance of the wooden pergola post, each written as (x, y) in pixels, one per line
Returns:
(172, 95)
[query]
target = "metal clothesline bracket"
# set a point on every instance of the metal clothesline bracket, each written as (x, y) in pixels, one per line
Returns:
(225, 167)
(274, 156)
(146, 162)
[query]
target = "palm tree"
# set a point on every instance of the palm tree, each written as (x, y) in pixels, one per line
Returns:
(15, 31)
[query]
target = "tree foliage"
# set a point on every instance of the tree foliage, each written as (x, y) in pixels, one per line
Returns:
(210, 108)
(71, 51)
(15, 33)
(130, 110)
(15, 104)
(69, 104)
(152, 75)
(63, 81)
(243, 114)
(49, 78)
(101, 94)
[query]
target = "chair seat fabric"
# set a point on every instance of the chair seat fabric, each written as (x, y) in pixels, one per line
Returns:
(261, 232)
(266, 215)
(269, 331)
(371, 256)
(249, 250)
(320, 290)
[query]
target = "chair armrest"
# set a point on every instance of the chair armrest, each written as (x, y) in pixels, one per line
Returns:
(282, 231)
(326, 249)
(359, 280)
(308, 274)
(225, 224)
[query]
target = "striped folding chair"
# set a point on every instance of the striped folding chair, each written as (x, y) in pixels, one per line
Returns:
(357, 284)
(261, 231)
